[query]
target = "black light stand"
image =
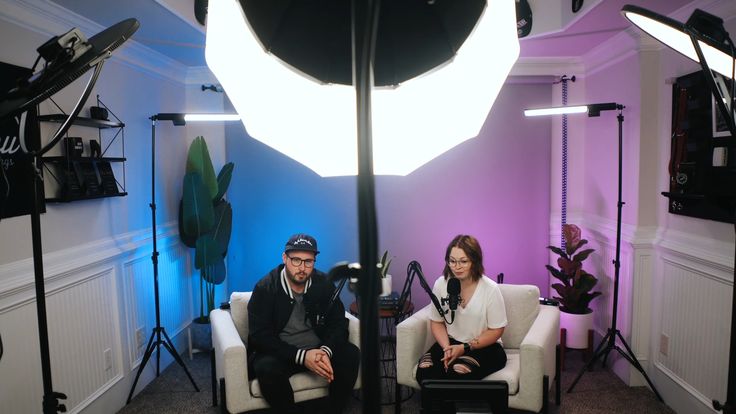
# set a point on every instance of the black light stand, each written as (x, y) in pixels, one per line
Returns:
(365, 25)
(609, 341)
(158, 330)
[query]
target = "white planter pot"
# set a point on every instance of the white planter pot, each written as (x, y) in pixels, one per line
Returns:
(577, 327)
(386, 285)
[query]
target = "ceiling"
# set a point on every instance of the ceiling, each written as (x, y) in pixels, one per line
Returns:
(168, 26)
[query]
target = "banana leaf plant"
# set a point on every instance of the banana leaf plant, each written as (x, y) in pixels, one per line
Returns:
(575, 289)
(205, 221)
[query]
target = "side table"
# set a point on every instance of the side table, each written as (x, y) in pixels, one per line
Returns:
(388, 319)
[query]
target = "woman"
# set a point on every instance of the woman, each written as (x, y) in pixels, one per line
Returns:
(470, 347)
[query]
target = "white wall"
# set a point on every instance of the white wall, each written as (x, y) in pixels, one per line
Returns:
(97, 253)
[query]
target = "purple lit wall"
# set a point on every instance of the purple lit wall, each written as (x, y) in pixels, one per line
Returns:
(495, 187)
(601, 143)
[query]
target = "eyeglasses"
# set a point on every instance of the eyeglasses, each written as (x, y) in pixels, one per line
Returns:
(297, 261)
(458, 263)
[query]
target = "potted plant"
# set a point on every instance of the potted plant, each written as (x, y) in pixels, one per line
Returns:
(386, 280)
(575, 291)
(205, 223)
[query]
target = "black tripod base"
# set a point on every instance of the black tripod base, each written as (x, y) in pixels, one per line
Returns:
(726, 408)
(51, 403)
(154, 345)
(604, 348)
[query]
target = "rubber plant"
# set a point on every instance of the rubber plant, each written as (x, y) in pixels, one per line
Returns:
(205, 221)
(575, 290)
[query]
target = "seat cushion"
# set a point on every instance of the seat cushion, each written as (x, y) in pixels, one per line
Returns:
(299, 382)
(510, 373)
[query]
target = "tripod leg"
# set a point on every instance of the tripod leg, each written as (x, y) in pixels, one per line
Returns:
(637, 365)
(172, 351)
(158, 354)
(598, 352)
(146, 356)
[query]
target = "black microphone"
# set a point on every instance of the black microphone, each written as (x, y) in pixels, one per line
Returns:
(341, 271)
(453, 293)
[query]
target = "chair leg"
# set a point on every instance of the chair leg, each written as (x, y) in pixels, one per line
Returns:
(545, 394)
(397, 401)
(223, 397)
(213, 378)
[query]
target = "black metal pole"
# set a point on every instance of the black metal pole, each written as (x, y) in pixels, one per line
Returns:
(154, 253)
(619, 205)
(609, 341)
(50, 398)
(158, 329)
(365, 21)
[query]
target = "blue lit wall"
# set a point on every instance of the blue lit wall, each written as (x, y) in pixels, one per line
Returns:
(273, 197)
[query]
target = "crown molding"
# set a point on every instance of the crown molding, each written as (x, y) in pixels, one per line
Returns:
(725, 9)
(541, 66)
(611, 52)
(200, 74)
(49, 19)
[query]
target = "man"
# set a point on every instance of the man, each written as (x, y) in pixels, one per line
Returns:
(285, 337)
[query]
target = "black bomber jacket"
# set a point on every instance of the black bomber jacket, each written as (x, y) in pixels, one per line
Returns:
(270, 307)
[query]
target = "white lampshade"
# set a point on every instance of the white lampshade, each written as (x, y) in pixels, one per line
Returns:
(677, 36)
(315, 123)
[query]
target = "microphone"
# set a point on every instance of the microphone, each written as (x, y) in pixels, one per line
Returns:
(342, 271)
(453, 297)
(453, 293)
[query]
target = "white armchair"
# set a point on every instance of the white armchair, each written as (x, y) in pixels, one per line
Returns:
(530, 341)
(229, 339)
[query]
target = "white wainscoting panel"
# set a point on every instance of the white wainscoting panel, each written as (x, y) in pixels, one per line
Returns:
(694, 314)
(95, 295)
(174, 296)
(83, 338)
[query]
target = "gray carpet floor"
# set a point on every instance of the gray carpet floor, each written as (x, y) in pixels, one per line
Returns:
(598, 392)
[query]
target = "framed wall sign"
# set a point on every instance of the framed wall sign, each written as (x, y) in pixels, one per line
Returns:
(16, 178)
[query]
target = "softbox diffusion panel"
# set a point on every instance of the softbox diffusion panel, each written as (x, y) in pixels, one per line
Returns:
(16, 187)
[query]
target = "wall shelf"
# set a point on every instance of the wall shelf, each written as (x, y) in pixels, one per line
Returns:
(82, 121)
(87, 177)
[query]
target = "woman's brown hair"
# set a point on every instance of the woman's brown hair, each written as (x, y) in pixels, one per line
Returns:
(471, 247)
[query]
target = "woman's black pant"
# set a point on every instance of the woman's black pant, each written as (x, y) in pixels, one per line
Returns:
(273, 376)
(476, 364)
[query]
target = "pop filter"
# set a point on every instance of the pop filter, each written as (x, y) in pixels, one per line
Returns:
(54, 77)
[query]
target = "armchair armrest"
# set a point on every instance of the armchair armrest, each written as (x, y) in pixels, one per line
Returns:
(231, 360)
(353, 329)
(537, 355)
(413, 338)
(354, 338)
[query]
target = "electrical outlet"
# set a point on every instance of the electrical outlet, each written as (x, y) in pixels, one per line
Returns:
(140, 337)
(108, 359)
(664, 344)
